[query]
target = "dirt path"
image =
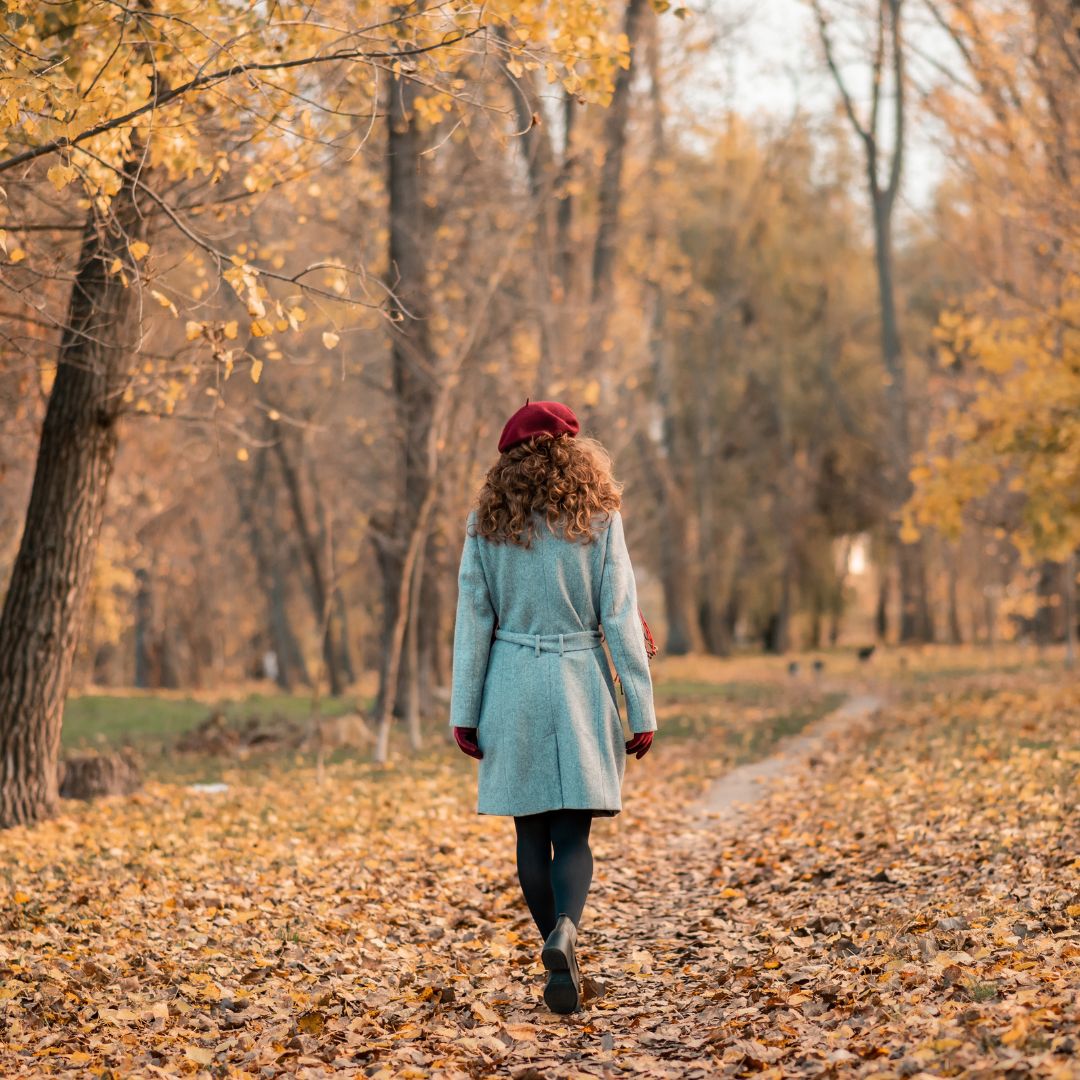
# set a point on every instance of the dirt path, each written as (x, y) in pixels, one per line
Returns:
(734, 791)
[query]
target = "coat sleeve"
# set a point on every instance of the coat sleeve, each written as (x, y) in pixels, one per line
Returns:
(473, 627)
(621, 621)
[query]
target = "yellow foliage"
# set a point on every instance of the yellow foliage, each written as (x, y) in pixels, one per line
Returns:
(1021, 425)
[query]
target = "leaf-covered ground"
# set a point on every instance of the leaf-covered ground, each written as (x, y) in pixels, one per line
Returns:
(909, 906)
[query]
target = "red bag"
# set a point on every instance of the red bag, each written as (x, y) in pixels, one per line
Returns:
(650, 645)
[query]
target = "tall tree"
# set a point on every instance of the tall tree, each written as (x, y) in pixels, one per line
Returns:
(882, 142)
(39, 625)
(677, 578)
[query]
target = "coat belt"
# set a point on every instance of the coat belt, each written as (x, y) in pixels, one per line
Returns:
(560, 643)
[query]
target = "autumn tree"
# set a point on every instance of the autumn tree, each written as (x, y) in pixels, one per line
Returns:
(1004, 452)
(881, 134)
(140, 113)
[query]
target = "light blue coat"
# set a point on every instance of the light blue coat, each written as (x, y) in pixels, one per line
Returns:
(547, 716)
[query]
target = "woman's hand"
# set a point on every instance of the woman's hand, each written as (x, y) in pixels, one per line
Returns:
(465, 737)
(639, 744)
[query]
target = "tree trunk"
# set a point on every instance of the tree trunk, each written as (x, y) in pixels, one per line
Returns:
(413, 383)
(1046, 593)
(782, 636)
(881, 613)
(609, 197)
(683, 630)
(915, 624)
(312, 551)
(39, 625)
(1068, 595)
(144, 612)
(564, 217)
(256, 509)
(956, 635)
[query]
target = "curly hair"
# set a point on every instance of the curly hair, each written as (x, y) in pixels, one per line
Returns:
(566, 479)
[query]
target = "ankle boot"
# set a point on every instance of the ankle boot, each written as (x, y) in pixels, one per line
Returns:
(563, 990)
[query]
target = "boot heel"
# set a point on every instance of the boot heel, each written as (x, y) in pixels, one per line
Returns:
(563, 990)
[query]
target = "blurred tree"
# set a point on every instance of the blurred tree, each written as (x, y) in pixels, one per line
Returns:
(882, 141)
(1006, 448)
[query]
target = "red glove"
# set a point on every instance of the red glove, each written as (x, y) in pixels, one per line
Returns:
(639, 744)
(465, 737)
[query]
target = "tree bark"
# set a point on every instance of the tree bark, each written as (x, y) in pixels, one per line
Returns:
(39, 625)
(256, 507)
(956, 635)
(1068, 595)
(313, 554)
(413, 387)
(609, 196)
(676, 577)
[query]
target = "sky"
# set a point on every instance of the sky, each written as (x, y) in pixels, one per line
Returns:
(772, 64)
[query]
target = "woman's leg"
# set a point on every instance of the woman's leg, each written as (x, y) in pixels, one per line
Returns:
(534, 869)
(572, 865)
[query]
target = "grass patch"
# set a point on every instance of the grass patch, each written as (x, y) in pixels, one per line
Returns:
(148, 721)
(759, 740)
(697, 692)
(751, 737)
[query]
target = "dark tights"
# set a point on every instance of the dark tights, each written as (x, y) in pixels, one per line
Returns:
(554, 884)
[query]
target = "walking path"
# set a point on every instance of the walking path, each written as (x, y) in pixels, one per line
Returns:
(733, 792)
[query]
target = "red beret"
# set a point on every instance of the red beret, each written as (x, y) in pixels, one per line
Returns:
(538, 418)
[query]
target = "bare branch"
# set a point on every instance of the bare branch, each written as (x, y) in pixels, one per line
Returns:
(849, 106)
(897, 163)
(879, 60)
(212, 78)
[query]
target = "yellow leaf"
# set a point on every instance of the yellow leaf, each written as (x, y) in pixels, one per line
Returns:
(21, 898)
(262, 328)
(256, 370)
(139, 249)
(231, 329)
(192, 330)
(242, 454)
(17, 255)
(164, 301)
(61, 176)
(909, 533)
(330, 339)
(1017, 1033)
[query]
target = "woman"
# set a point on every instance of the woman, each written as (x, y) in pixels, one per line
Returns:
(544, 567)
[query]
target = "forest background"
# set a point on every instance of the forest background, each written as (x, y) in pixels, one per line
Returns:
(273, 276)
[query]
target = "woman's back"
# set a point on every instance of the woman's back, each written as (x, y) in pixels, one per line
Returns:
(550, 587)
